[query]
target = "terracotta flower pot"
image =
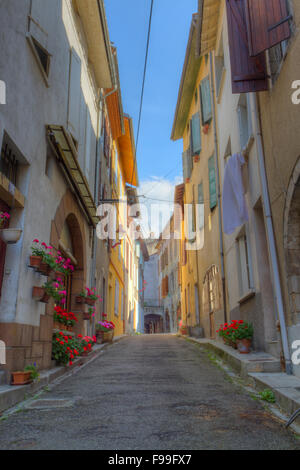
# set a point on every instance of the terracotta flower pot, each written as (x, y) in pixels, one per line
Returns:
(21, 378)
(79, 299)
(58, 326)
(35, 261)
(38, 292)
(106, 337)
(244, 346)
(86, 316)
(183, 330)
(45, 269)
(90, 302)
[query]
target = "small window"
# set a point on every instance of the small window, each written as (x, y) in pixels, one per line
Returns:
(276, 58)
(244, 118)
(42, 56)
(244, 267)
(212, 183)
(205, 101)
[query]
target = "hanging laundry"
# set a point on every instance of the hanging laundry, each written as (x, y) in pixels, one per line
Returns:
(235, 211)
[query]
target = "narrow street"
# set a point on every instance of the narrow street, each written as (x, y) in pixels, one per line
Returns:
(147, 392)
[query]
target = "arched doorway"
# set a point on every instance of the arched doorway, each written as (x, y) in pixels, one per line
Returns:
(67, 236)
(292, 244)
(153, 324)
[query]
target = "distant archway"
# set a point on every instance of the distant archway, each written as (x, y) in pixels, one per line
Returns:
(153, 324)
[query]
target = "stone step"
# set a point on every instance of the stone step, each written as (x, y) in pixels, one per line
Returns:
(242, 363)
(286, 389)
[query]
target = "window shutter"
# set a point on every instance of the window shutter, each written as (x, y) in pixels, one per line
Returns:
(201, 206)
(249, 74)
(184, 165)
(74, 93)
(117, 298)
(195, 134)
(267, 24)
(189, 163)
(205, 101)
(212, 183)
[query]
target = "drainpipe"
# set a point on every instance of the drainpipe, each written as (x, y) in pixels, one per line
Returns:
(270, 233)
(96, 197)
(218, 189)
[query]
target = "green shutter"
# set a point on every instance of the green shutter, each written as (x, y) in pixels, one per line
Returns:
(195, 134)
(205, 101)
(212, 182)
(184, 166)
(187, 164)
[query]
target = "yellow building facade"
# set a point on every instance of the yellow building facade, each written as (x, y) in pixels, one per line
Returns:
(200, 277)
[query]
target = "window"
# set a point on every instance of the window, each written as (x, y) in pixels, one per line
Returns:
(219, 67)
(201, 219)
(267, 24)
(244, 118)
(195, 134)
(122, 305)
(248, 74)
(244, 265)
(212, 183)
(205, 101)
(187, 164)
(116, 309)
(276, 57)
(9, 162)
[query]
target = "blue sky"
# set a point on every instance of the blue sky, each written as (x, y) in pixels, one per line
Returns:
(159, 159)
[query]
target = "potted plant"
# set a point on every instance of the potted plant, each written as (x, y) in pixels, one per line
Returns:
(21, 377)
(56, 290)
(32, 368)
(81, 298)
(105, 331)
(65, 348)
(244, 335)
(63, 319)
(227, 333)
(40, 294)
(63, 267)
(37, 254)
(10, 236)
(86, 344)
(91, 297)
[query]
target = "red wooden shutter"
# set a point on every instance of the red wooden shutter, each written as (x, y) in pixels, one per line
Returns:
(249, 74)
(267, 24)
(3, 207)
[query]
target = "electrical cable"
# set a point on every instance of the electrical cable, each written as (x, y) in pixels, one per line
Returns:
(142, 94)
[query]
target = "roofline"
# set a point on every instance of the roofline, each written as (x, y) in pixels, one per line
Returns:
(183, 75)
(104, 24)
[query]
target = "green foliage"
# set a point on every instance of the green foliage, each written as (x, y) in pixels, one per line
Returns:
(267, 395)
(34, 371)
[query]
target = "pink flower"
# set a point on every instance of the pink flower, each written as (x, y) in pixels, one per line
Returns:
(36, 241)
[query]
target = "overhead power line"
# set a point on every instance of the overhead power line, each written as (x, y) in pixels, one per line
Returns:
(142, 94)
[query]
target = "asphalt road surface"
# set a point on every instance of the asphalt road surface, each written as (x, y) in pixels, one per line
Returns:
(147, 393)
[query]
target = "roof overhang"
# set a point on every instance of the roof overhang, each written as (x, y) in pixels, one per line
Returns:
(187, 84)
(114, 103)
(92, 15)
(207, 25)
(127, 156)
(66, 154)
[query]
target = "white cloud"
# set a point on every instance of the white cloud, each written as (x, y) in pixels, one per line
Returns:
(158, 201)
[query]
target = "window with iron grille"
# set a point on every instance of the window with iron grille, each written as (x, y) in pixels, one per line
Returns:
(9, 161)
